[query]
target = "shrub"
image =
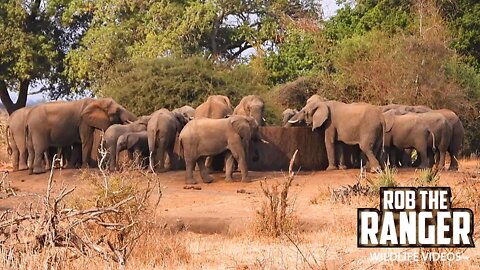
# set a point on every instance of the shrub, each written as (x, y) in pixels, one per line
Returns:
(385, 178)
(171, 82)
(428, 177)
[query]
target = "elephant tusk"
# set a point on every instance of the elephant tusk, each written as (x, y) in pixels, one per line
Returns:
(129, 122)
(264, 141)
(293, 121)
(264, 120)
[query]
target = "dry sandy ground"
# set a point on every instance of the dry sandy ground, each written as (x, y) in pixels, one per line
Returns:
(215, 222)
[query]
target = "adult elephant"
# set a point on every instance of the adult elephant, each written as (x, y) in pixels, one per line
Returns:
(216, 106)
(205, 137)
(358, 123)
(66, 123)
(114, 131)
(252, 105)
(419, 131)
(16, 144)
(458, 131)
(162, 130)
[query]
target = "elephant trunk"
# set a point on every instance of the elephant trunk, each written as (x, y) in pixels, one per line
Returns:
(127, 117)
(121, 145)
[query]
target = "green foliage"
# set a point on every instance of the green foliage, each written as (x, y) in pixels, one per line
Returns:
(388, 16)
(462, 17)
(173, 82)
(295, 56)
(124, 31)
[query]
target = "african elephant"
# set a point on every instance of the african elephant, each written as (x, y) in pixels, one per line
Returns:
(133, 142)
(403, 109)
(186, 110)
(162, 130)
(16, 143)
(287, 114)
(216, 107)
(114, 131)
(358, 123)
(65, 123)
(205, 137)
(419, 131)
(253, 106)
(458, 132)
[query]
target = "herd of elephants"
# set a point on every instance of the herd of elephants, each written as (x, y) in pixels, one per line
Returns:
(378, 134)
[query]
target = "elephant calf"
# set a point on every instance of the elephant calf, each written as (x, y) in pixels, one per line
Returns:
(113, 132)
(133, 142)
(206, 137)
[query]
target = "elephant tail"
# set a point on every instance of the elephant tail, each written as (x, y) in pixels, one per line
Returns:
(7, 134)
(152, 146)
(180, 147)
(383, 134)
(434, 148)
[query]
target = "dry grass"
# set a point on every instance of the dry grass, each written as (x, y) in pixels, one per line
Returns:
(276, 216)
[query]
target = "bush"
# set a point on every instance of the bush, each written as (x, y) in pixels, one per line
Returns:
(171, 82)
(385, 178)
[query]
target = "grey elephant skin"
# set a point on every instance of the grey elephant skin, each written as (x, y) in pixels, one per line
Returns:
(162, 129)
(187, 111)
(133, 142)
(216, 106)
(16, 143)
(458, 131)
(66, 123)
(352, 124)
(115, 131)
(288, 114)
(419, 131)
(205, 137)
(252, 105)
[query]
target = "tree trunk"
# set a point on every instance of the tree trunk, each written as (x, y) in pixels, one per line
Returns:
(22, 96)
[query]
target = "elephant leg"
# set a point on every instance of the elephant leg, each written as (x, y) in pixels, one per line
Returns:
(453, 160)
(86, 135)
(48, 164)
(130, 153)
(75, 156)
(16, 155)
(372, 160)
(189, 167)
(39, 156)
(422, 153)
(22, 153)
(229, 163)
(203, 170)
(161, 155)
(172, 158)
(342, 149)
(112, 150)
(239, 154)
(441, 159)
(330, 147)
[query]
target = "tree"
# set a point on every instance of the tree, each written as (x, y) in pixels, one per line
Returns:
(34, 39)
(222, 30)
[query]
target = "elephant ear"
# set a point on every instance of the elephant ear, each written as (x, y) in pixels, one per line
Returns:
(320, 116)
(95, 116)
(227, 101)
(131, 141)
(241, 125)
(389, 120)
